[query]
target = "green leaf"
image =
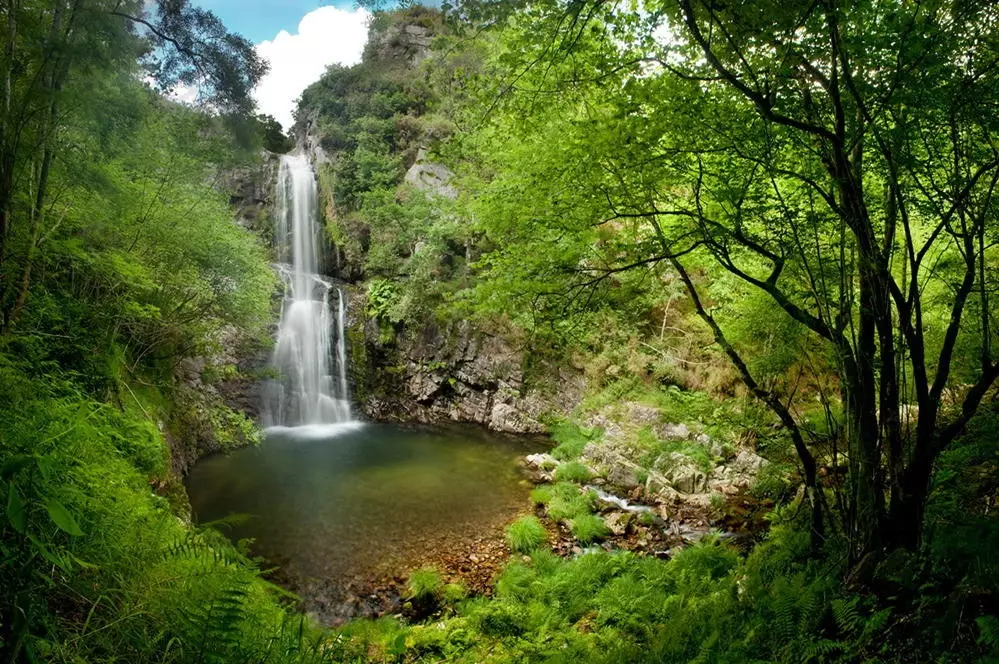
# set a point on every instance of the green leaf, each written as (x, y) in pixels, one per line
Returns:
(398, 644)
(49, 555)
(15, 510)
(62, 518)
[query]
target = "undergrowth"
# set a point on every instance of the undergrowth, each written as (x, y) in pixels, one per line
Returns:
(94, 566)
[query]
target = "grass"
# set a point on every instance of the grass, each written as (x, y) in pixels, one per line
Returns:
(541, 494)
(525, 534)
(589, 528)
(566, 501)
(571, 439)
(572, 471)
(425, 584)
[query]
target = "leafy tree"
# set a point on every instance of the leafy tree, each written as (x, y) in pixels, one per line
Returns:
(56, 56)
(836, 159)
(275, 140)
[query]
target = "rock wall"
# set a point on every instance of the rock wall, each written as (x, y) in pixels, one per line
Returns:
(454, 373)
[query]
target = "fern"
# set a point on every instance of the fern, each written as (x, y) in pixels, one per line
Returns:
(216, 626)
(847, 617)
(818, 650)
(208, 548)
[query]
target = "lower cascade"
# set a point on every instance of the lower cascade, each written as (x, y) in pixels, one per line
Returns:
(310, 358)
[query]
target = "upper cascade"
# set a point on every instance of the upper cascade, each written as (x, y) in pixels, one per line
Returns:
(310, 353)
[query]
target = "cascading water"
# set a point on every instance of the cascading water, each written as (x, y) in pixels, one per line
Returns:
(310, 356)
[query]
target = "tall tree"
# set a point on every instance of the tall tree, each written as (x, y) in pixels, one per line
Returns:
(53, 56)
(840, 159)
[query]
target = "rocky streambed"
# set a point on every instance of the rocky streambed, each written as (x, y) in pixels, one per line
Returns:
(345, 517)
(347, 513)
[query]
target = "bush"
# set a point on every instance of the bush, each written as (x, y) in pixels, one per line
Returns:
(525, 534)
(589, 528)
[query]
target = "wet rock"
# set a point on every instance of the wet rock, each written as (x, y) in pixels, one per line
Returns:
(541, 461)
(659, 489)
(457, 373)
(618, 522)
(510, 419)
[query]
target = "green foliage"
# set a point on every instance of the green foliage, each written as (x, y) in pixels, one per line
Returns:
(525, 534)
(572, 471)
(705, 604)
(588, 528)
(425, 584)
(571, 439)
(82, 535)
(566, 501)
(273, 136)
(773, 482)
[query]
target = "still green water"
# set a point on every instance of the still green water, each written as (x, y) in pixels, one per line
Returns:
(351, 500)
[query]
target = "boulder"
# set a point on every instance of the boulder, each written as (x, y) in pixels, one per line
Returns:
(683, 473)
(642, 414)
(431, 177)
(747, 463)
(673, 432)
(618, 522)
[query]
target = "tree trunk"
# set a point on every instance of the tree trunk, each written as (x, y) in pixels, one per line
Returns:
(905, 520)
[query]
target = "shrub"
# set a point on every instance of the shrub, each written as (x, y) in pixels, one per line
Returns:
(589, 528)
(525, 534)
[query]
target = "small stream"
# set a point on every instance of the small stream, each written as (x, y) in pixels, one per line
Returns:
(354, 501)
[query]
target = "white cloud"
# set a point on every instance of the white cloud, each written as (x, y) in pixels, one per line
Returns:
(325, 36)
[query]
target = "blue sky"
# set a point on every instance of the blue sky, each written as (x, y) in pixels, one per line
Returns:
(299, 39)
(258, 20)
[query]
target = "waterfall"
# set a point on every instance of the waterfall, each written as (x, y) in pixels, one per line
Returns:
(310, 355)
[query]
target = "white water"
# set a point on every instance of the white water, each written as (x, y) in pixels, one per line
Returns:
(618, 502)
(310, 356)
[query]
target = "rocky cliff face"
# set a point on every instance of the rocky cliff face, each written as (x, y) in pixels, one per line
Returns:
(454, 373)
